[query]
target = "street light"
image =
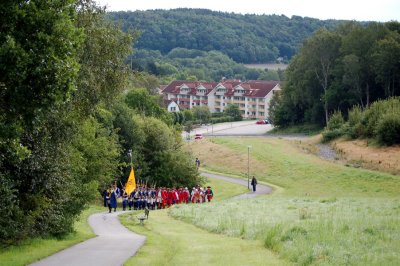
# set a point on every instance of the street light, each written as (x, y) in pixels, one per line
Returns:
(248, 167)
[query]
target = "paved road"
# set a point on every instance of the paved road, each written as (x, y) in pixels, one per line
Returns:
(261, 189)
(113, 245)
(241, 128)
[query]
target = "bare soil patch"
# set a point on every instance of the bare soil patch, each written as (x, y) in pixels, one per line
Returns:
(358, 153)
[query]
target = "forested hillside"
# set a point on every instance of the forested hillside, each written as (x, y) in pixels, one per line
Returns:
(244, 38)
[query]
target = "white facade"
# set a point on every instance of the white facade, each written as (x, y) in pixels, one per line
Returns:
(173, 107)
(252, 102)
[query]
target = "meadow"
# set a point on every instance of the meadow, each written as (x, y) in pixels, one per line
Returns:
(325, 213)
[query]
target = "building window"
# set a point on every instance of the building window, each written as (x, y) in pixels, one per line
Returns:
(262, 113)
(223, 97)
(192, 103)
(223, 104)
(173, 109)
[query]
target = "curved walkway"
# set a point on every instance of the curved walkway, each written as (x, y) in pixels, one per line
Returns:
(114, 243)
(260, 189)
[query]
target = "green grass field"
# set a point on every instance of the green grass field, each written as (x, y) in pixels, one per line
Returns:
(173, 242)
(34, 249)
(326, 213)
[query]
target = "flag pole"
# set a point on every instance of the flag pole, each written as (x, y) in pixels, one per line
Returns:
(130, 155)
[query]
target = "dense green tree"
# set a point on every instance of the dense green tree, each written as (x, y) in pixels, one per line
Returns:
(386, 63)
(353, 65)
(202, 114)
(147, 105)
(53, 139)
(233, 111)
(321, 50)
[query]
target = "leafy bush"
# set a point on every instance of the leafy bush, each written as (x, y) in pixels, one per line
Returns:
(388, 129)
(354, 123)
(329, 135)
(380, 121)
(336, 121)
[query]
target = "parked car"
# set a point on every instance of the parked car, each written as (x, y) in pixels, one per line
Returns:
(262, 122)
(198, 136)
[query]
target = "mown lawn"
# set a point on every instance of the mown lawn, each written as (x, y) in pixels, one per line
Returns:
(34, 249)
(326, 214)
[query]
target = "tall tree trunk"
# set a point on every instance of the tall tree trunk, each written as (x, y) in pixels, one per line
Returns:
(367, 93)
(326, 108)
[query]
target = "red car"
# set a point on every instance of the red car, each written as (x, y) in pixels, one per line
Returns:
(198, 136)
(262, 122)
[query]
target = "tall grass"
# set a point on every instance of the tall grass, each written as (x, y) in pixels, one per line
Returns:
(307, 231)
(327, 214)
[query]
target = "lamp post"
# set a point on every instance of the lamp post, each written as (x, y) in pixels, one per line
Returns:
(248, 167)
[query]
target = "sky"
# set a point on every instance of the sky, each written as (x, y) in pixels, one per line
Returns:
(367, 10)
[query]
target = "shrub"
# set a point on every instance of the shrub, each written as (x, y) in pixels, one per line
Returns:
(329, 135)
(355, 127)
(336, 121)
(388, 129)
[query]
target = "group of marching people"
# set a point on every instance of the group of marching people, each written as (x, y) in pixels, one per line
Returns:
(155, 198)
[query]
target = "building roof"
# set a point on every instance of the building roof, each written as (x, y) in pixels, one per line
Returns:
(252, 88)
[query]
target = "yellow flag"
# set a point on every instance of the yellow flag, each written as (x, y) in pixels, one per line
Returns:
(131, 183)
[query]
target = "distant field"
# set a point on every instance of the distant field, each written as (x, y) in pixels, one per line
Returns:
(268, 66)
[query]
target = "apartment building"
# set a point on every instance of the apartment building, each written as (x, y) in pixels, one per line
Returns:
(252, 97)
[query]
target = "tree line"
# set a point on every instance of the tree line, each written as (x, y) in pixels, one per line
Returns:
(69, 117)
(189, 64)
(244, 38)
(353, 65)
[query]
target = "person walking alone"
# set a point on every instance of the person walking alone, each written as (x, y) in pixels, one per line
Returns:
(254, 183)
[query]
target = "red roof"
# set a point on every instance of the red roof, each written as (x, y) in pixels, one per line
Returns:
(253, 88)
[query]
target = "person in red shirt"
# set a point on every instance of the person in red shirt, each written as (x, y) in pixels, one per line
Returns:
(209, 194)
(164, 194)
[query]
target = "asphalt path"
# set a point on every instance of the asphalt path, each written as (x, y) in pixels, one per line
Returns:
(114, 243)
(260, 189)
(241, 128)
